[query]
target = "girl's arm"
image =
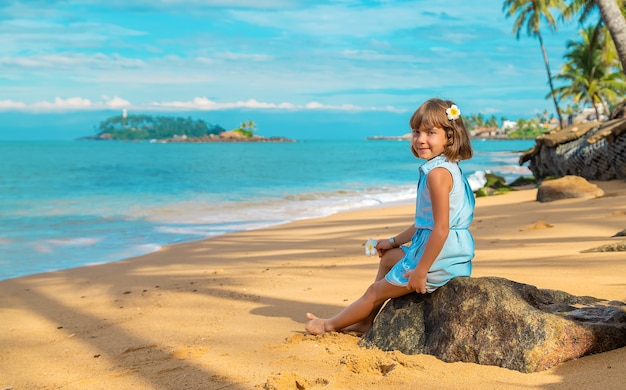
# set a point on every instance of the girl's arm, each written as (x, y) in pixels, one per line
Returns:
(405, 236)
(385, 244)
(439, 183)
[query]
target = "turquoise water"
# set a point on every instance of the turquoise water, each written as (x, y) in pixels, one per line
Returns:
(71, 203)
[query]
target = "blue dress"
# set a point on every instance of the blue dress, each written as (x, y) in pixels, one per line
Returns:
(455, 258)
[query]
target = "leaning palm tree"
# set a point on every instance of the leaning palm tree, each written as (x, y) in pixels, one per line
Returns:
(587, 76)
(615, 22)
(530, 13)
(611, 12)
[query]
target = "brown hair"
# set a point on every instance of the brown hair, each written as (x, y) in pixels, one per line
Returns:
(432, 113)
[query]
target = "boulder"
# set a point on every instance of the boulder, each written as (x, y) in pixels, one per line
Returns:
(613, 247)
(567, 187)
(621, 233)
(593, 150)
(495, 321)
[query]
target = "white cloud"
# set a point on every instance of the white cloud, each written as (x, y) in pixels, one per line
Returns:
(68, 104)
(204, 104)
(10, 104)
(350, 107)
(197, 103)
(116, 102)
(63, 104)
(314, 105)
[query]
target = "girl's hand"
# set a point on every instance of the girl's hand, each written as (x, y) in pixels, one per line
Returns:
(417, 281)
(383, 246)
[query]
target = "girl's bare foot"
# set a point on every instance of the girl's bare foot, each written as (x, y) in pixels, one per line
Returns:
(359, 329)
(315, 325)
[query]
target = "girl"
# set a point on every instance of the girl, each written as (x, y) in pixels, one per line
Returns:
(440, 245)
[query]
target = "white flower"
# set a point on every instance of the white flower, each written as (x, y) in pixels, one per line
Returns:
(370, 247)
(453, 112)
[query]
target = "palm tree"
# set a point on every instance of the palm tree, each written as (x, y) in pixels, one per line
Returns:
(246, 128)
(589, 76)
(582, 7)
(612, 13)
(615, 22)
(248, 125)
(586, 7)
(529, 13)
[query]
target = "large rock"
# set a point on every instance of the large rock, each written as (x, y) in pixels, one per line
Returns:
(567, 187)
(495, 321)
(593, 150)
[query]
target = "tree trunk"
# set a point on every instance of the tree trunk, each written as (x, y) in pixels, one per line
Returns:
(545, 60)
(615, 22)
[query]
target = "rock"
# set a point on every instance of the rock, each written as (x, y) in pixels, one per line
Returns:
(228, 136)
(621, 233)
(567, 187)
(593, 150)
(494, 185)
(495, 321)
(486, 191)
(614, 247)
(232, 135)
(523, 181)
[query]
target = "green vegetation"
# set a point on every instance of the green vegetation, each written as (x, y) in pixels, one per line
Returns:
(495, 185)
(528, 128)
(475, 121)
(592, 73)
(530, 14)
(246, 129)
(144, 127)
(593, 76)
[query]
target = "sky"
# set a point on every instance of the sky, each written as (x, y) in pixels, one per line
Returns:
(305, 69)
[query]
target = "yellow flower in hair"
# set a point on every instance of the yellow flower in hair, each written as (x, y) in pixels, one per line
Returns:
(453, 112)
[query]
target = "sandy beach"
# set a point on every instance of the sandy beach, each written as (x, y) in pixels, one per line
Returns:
(229, 312)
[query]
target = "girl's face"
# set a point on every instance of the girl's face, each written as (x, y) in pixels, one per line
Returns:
(429, 142)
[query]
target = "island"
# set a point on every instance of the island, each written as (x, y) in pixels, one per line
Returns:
(165, 129)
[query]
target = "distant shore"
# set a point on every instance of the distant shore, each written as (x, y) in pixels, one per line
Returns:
(407, 137)
(230, 137)
(218, 138)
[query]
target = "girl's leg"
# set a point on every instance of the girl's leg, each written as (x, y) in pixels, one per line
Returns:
(387, 261)
(359, 310)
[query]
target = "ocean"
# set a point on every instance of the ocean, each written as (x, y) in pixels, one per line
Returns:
(66, 204)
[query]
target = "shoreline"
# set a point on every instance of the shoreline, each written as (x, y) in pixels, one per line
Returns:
(391, 204)
(228, 312)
